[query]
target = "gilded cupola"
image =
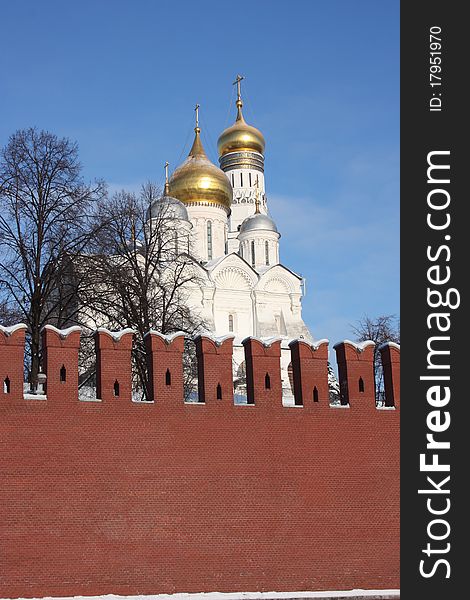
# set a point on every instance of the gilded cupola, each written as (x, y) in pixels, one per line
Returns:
(240, 137)
(198, 180)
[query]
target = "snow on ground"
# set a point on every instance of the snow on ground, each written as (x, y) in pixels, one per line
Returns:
(376, 594)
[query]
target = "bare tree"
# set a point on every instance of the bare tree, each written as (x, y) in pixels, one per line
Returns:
(142, 271)
(385, 328)
(333, 386)
(45, 221)
(9, 315)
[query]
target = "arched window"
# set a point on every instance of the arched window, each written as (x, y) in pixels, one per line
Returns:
(361, 384)
(168, 377)
(209, 240)
(176, 242)
(116, 388)
(267, 381)
(219, 392)
(230, 323)
(266, 252)
(315, 394)
(6, 385)
(233, 180)
(63, 374)
(249, 177)
(253, 258)
(241, 179)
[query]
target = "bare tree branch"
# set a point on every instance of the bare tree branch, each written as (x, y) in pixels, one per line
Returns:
(47, 216)
(385, 328)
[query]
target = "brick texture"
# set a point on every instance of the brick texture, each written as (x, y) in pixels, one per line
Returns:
(263, 371)
(356, 374)
(113, 365)
(214, 361)
(391, 367)
(310, 372)
(60, 351)
(142, 498)
(165, 366)
(11, 363)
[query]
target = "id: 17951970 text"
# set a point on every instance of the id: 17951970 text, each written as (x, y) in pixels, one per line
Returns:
(435, 69)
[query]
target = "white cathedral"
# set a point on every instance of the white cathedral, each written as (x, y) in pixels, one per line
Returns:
(243, 288)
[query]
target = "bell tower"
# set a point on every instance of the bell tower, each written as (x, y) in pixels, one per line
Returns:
(241, 157)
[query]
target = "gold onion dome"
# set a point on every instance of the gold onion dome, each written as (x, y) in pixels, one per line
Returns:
(199, 180)
(241, 137)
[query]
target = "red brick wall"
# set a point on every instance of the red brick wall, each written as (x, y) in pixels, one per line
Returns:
(355, 364)
(11, 362)
(390, 354)
(60, 362)
(214, 360)
(142, 498)
(310, 371)
(165, 365)
(263, 367)
(113, 365)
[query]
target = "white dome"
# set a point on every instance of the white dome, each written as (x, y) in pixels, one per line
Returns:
(258, 222)
(167, 208)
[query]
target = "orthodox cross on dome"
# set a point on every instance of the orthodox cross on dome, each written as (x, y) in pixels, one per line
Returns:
(197, 115)
(237, 82)
(167, 184)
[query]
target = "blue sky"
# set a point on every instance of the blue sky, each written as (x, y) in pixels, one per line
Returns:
(322, 83)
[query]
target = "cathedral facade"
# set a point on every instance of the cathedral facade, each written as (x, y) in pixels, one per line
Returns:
(244, 289)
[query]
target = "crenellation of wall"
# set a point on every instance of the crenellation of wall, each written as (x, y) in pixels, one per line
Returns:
(390, 354)
(113, 364)
(12, 340)
(165, 366)
(356, 373)
(169, 497)
(310, 372)
(60, 361)
(263, 371)
(214, 366)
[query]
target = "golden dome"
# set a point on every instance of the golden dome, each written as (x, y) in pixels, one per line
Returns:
(199, 180)
(240, 137)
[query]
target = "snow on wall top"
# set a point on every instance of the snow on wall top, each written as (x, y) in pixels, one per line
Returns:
(218, 341)
(266, 342)
(389, 345)
(10, 330)
(63, 333)
(168, 338)
(116, 335)
(359, 346)
(314, 345)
